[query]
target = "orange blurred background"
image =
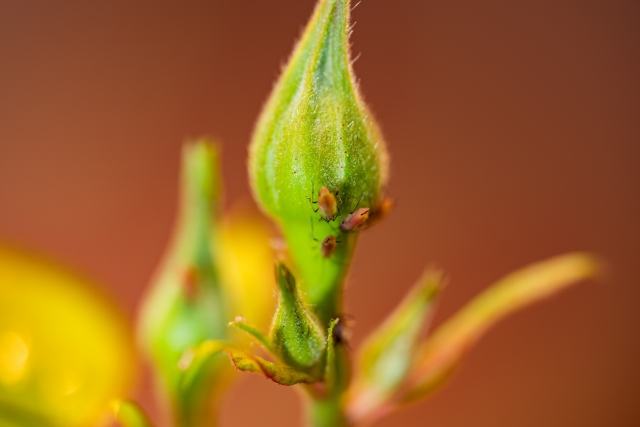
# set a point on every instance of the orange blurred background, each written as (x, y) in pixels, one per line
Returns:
(514, 132)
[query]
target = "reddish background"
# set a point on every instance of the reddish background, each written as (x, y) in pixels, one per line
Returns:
(514, 134)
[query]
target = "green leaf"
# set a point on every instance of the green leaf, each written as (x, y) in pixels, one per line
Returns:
(390, 351)
(280, 374)
(297, 337)
(444, 350)
(129, 414)
(254, 332)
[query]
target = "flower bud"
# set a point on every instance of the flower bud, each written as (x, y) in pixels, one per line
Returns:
(317, 153)
(186, 305)
(296, 335)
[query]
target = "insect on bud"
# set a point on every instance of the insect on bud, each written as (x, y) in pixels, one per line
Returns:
(329, 245)
(356, 220)
(316, 152)
(296, 335)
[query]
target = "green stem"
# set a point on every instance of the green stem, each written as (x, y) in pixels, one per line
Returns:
(320, 279)
(328, 409)
(327, 413)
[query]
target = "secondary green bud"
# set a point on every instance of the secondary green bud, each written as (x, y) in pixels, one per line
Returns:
(317, 153)
(185, 305)
(296, 335)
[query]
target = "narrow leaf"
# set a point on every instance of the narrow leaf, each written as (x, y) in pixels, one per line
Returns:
(129, 414)
(390, 351)
(441, 353)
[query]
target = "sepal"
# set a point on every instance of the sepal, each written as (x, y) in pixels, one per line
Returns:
(253, 332)
(278, 373)
(296, 335)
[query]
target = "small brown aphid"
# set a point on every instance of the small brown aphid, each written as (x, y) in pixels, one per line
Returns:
(328, 246)
(364, 218)
(356, 220)
(328, 204)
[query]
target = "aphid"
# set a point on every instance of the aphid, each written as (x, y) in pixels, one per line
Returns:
(328, 245)
(356, 220)
(328, 203)
(363, 218)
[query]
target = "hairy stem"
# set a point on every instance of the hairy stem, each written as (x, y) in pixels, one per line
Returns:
(327, 413)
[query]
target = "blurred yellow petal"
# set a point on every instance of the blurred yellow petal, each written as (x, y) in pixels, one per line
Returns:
(247, 265)
(65, 351)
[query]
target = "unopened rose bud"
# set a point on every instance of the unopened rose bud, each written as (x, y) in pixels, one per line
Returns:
(317, 153)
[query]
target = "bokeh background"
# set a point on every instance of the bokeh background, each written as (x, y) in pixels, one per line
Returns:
(514, 131)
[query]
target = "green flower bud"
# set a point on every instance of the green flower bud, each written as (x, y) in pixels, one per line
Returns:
(296, 335)
(317, 154)
(185, 305)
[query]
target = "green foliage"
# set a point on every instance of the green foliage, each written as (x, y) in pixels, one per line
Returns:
(390, 351)
(436, 358)
(444, 350)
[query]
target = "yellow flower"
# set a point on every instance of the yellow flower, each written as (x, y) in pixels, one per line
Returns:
(247, 265)
(65, 350)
